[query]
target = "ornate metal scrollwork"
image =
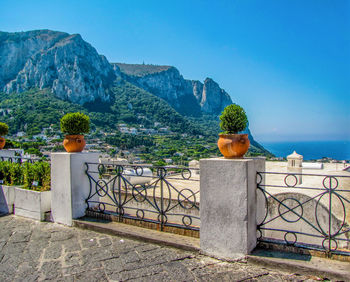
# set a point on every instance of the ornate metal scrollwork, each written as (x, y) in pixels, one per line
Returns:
(145, 193)
(310, 215)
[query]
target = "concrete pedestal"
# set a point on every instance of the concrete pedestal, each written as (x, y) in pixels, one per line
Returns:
(7, 198)
(70, 185)
(32, 204)
(228, 206)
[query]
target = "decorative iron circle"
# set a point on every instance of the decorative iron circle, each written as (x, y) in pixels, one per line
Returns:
(265, 205)
(186, 173)
(161, 172)
(101, 207)
(30, 161)
(290, 242)
(258, 234)
(139, 170)
(180, 201)
(295, 180)
(139, 197)
(142, 216)
(162, 205)
(165, 218)
(259, 178)
(290, 210)
(187, 218)
(330, 178)
(19, 161)
(329, 248)
(318, 204)
(119, 169)
(119, 185)
(102, 187)
(10, 160)
(87, 167)
(101, 169)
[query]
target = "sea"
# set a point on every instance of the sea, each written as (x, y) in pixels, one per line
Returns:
(311, 150)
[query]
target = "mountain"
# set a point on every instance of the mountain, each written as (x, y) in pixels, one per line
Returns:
(188, 97)
(74, 71)
(44, 69)
(65, 63)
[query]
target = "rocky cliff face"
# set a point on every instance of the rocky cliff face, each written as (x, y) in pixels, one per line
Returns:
(210, 96)
(74, 71)
(47, 59)
(188, 97)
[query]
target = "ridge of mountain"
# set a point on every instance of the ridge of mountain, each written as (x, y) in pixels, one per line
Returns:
(188, 97)
(140, 69)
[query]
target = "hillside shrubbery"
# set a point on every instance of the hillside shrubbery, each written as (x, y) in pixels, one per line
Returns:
(33, 176)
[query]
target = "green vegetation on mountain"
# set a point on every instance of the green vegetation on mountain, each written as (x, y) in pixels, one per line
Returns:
(33, 110)
(137, 106)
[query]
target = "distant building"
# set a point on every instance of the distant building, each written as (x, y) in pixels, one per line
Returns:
(312, 165)
(40, 136)
(164, 129)
(295, 165)
(168, 161)
(194, 164)
(124, 129)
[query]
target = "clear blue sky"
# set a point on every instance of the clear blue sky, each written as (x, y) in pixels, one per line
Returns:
(286, 62)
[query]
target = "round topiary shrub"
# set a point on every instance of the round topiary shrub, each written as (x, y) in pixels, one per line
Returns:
(4, 129)
(75, 124)
(233, 119)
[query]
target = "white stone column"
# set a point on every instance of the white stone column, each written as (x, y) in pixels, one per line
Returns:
(228, 206)
(70, 185)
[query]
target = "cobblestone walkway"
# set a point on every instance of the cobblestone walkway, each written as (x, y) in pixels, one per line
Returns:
(36, 251)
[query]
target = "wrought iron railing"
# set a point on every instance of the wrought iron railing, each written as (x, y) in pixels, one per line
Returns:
(165, 196)
(305, 210)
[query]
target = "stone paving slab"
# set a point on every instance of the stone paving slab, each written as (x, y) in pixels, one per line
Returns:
(139, 233)
(42, 251)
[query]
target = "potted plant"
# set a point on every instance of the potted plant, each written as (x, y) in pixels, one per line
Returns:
(232, 121)
(4, 129)
(74, 125)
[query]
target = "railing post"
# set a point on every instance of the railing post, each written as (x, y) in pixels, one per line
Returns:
(228, 206)
(70, 185)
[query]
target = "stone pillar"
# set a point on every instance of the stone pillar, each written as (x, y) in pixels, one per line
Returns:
(70, 185)
(228, 206)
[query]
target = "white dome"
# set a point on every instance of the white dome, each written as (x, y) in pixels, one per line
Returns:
(295, 155)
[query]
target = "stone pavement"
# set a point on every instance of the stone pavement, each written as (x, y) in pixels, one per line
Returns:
(37, 251)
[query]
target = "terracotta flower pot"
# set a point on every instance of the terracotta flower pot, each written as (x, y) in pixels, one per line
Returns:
(233, 145)
(2, 142)
(74, 143)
